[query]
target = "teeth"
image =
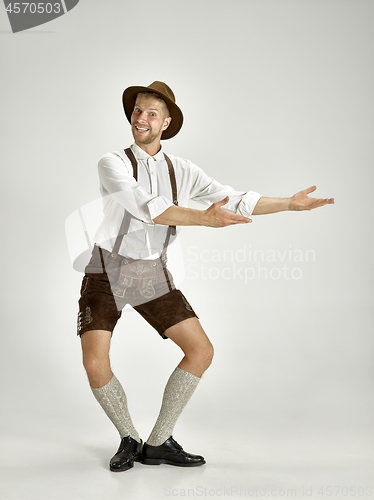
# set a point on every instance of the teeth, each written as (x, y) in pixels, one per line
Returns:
(140, 128)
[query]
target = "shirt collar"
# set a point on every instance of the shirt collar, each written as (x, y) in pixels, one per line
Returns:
(140, 154)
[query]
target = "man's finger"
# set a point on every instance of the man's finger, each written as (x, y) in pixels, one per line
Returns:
(310, 190)
(327, 201)
(238, 219)
(243, 221)
(222, 202)
(320, 202)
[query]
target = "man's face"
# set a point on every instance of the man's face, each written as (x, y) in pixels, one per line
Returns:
(149, 119)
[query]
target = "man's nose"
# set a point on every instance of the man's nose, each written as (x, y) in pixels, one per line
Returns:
(142, 117)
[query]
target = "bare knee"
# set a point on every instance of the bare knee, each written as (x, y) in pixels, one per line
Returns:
(93, 365)
(202, 356)
(98, 370)
(208, 356)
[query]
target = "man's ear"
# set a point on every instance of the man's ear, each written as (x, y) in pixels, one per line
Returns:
(166, 123)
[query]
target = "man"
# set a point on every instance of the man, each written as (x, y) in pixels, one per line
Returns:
(155, 190)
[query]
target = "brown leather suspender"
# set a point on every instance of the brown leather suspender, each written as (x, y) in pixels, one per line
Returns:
(134, 163)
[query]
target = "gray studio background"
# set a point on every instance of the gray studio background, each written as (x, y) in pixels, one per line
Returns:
(277, 96)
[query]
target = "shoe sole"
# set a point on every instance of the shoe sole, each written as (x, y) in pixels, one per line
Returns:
(159, 461)
(127, 466)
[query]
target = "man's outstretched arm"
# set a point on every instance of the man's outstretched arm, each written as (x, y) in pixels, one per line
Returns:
(215, 216)
(299, 201)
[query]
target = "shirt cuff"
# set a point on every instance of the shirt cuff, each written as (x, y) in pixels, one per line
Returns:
(157, 206)
(249, 201)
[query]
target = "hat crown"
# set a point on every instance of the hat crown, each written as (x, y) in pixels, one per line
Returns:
(162, 88)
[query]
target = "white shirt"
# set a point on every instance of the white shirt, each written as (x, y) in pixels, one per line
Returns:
(151, 195)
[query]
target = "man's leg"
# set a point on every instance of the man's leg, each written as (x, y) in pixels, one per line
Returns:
(195, 344)
(95, 350)
(111, 396)
(198, 353)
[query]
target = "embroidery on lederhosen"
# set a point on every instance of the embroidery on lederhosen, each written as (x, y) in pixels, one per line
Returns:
(140, 274)
(188, 307)
(119, 289)
(148, 291)
(88, 318)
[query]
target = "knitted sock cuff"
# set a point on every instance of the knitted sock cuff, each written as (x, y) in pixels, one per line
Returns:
(178, 391)
(113, 400)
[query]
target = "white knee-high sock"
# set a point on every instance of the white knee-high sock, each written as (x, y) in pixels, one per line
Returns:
(112, 399)
(178, 391)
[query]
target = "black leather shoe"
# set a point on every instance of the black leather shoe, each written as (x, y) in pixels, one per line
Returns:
(129, 451)
(170, 453)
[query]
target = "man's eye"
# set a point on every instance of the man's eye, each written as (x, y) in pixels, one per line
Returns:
(153, 114)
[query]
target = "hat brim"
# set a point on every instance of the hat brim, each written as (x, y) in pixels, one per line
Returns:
(129, 98)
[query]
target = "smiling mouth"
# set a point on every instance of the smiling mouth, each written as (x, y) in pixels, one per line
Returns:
(141, 129)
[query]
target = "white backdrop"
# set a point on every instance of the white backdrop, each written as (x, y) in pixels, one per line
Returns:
(277, 96)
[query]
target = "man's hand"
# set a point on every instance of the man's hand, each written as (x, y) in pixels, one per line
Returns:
(214, 216)
(301, 201)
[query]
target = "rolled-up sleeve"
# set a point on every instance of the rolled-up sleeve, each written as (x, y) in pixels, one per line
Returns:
(158, 205)
(118, 182)
(207, 190)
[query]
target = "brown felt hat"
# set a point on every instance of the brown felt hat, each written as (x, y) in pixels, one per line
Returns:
(165, 92)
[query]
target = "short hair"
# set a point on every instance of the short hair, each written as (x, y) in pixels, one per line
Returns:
(156, 96)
